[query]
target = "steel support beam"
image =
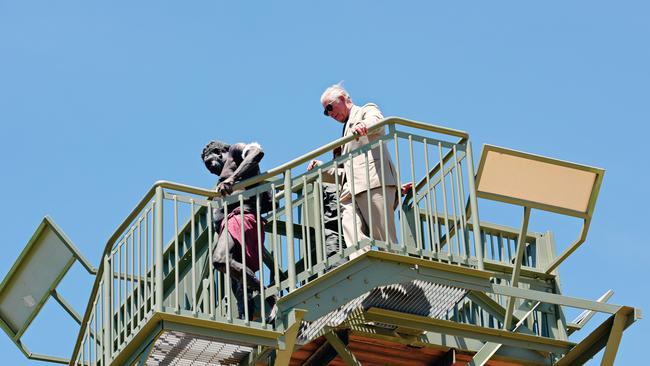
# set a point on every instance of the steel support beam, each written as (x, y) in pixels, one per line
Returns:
(554, 299)
(287, 341)
(599, 338)
(361, 274)
(158, 247)
(46, 358)
(324, 354)
(223, 332)
(489, 305)
(470, 331)
(586, 315)
(568, 251)
(471, 280)
(614, 339)
(490, 348)
(107, 313)
(341, 349)
(498, 312)
(473, 203)
(519, 259)
(38, 357)
(66, 306)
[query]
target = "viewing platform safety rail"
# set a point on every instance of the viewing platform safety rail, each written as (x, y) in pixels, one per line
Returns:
(158, 260)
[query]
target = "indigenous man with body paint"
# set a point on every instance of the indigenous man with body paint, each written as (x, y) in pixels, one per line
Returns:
(233, 164)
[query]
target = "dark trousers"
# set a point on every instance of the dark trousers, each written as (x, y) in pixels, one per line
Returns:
(228, 251)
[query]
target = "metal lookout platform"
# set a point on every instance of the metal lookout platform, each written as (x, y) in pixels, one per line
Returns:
(452, 290)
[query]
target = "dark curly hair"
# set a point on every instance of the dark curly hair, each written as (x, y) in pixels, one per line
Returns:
(213, 146)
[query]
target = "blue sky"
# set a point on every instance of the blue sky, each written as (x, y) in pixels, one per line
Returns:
(99, 100)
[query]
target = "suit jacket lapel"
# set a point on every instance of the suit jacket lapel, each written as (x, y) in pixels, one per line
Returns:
(348, 130)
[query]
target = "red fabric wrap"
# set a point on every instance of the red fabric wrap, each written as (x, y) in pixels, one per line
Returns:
(250, 236)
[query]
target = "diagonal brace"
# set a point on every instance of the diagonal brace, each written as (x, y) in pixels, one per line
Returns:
(586, 315)
(324, 354)
(490, 348)
(341, 349)
(599, 338)
(514, 282)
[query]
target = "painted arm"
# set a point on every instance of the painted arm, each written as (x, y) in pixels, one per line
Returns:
(252, 154)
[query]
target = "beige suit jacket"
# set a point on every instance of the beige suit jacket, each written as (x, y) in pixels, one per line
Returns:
(356, 172)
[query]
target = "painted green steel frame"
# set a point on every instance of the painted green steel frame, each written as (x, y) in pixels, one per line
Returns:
(160, 322)
(286, 343)
(608, 335)
(490, 348)
(519, 258)
(468, 331)
(16, 335)
(586, 315)
(586, 216)
(398, 268)
(325, 353)
(361, 274)
(260, 178)
(380, 261)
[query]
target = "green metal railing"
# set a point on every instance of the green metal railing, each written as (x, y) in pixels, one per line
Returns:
(158, 258)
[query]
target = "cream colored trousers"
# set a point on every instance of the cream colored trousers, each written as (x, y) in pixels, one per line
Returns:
(364, 216)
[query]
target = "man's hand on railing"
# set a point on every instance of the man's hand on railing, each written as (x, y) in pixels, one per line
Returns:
(313, 164)
(406, 187)
(360, 129)
(225, 187)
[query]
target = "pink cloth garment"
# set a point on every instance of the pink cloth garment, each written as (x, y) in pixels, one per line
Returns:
(250, 236)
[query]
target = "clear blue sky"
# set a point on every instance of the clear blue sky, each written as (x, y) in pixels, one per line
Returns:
(100, 99)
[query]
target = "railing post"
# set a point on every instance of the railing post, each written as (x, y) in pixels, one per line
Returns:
(107, 342)
(158, 249)
(473, 203)
(318, 222)
(288, 209)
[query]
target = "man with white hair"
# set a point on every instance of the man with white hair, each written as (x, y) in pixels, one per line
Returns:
(376, 179)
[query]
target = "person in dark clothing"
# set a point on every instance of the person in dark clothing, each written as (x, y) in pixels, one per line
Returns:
(233, 164)
(331, 223)
(330, 220)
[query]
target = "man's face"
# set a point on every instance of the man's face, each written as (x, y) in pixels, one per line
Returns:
(339, 109)
(215, 161)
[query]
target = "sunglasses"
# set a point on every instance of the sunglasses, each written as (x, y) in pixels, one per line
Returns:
(328, 108)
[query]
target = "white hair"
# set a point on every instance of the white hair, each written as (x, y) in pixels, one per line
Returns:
(334, 92)
(251, 146)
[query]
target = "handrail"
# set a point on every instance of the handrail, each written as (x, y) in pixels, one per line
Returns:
(118, 232)
(240, 186)
(343, 140)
